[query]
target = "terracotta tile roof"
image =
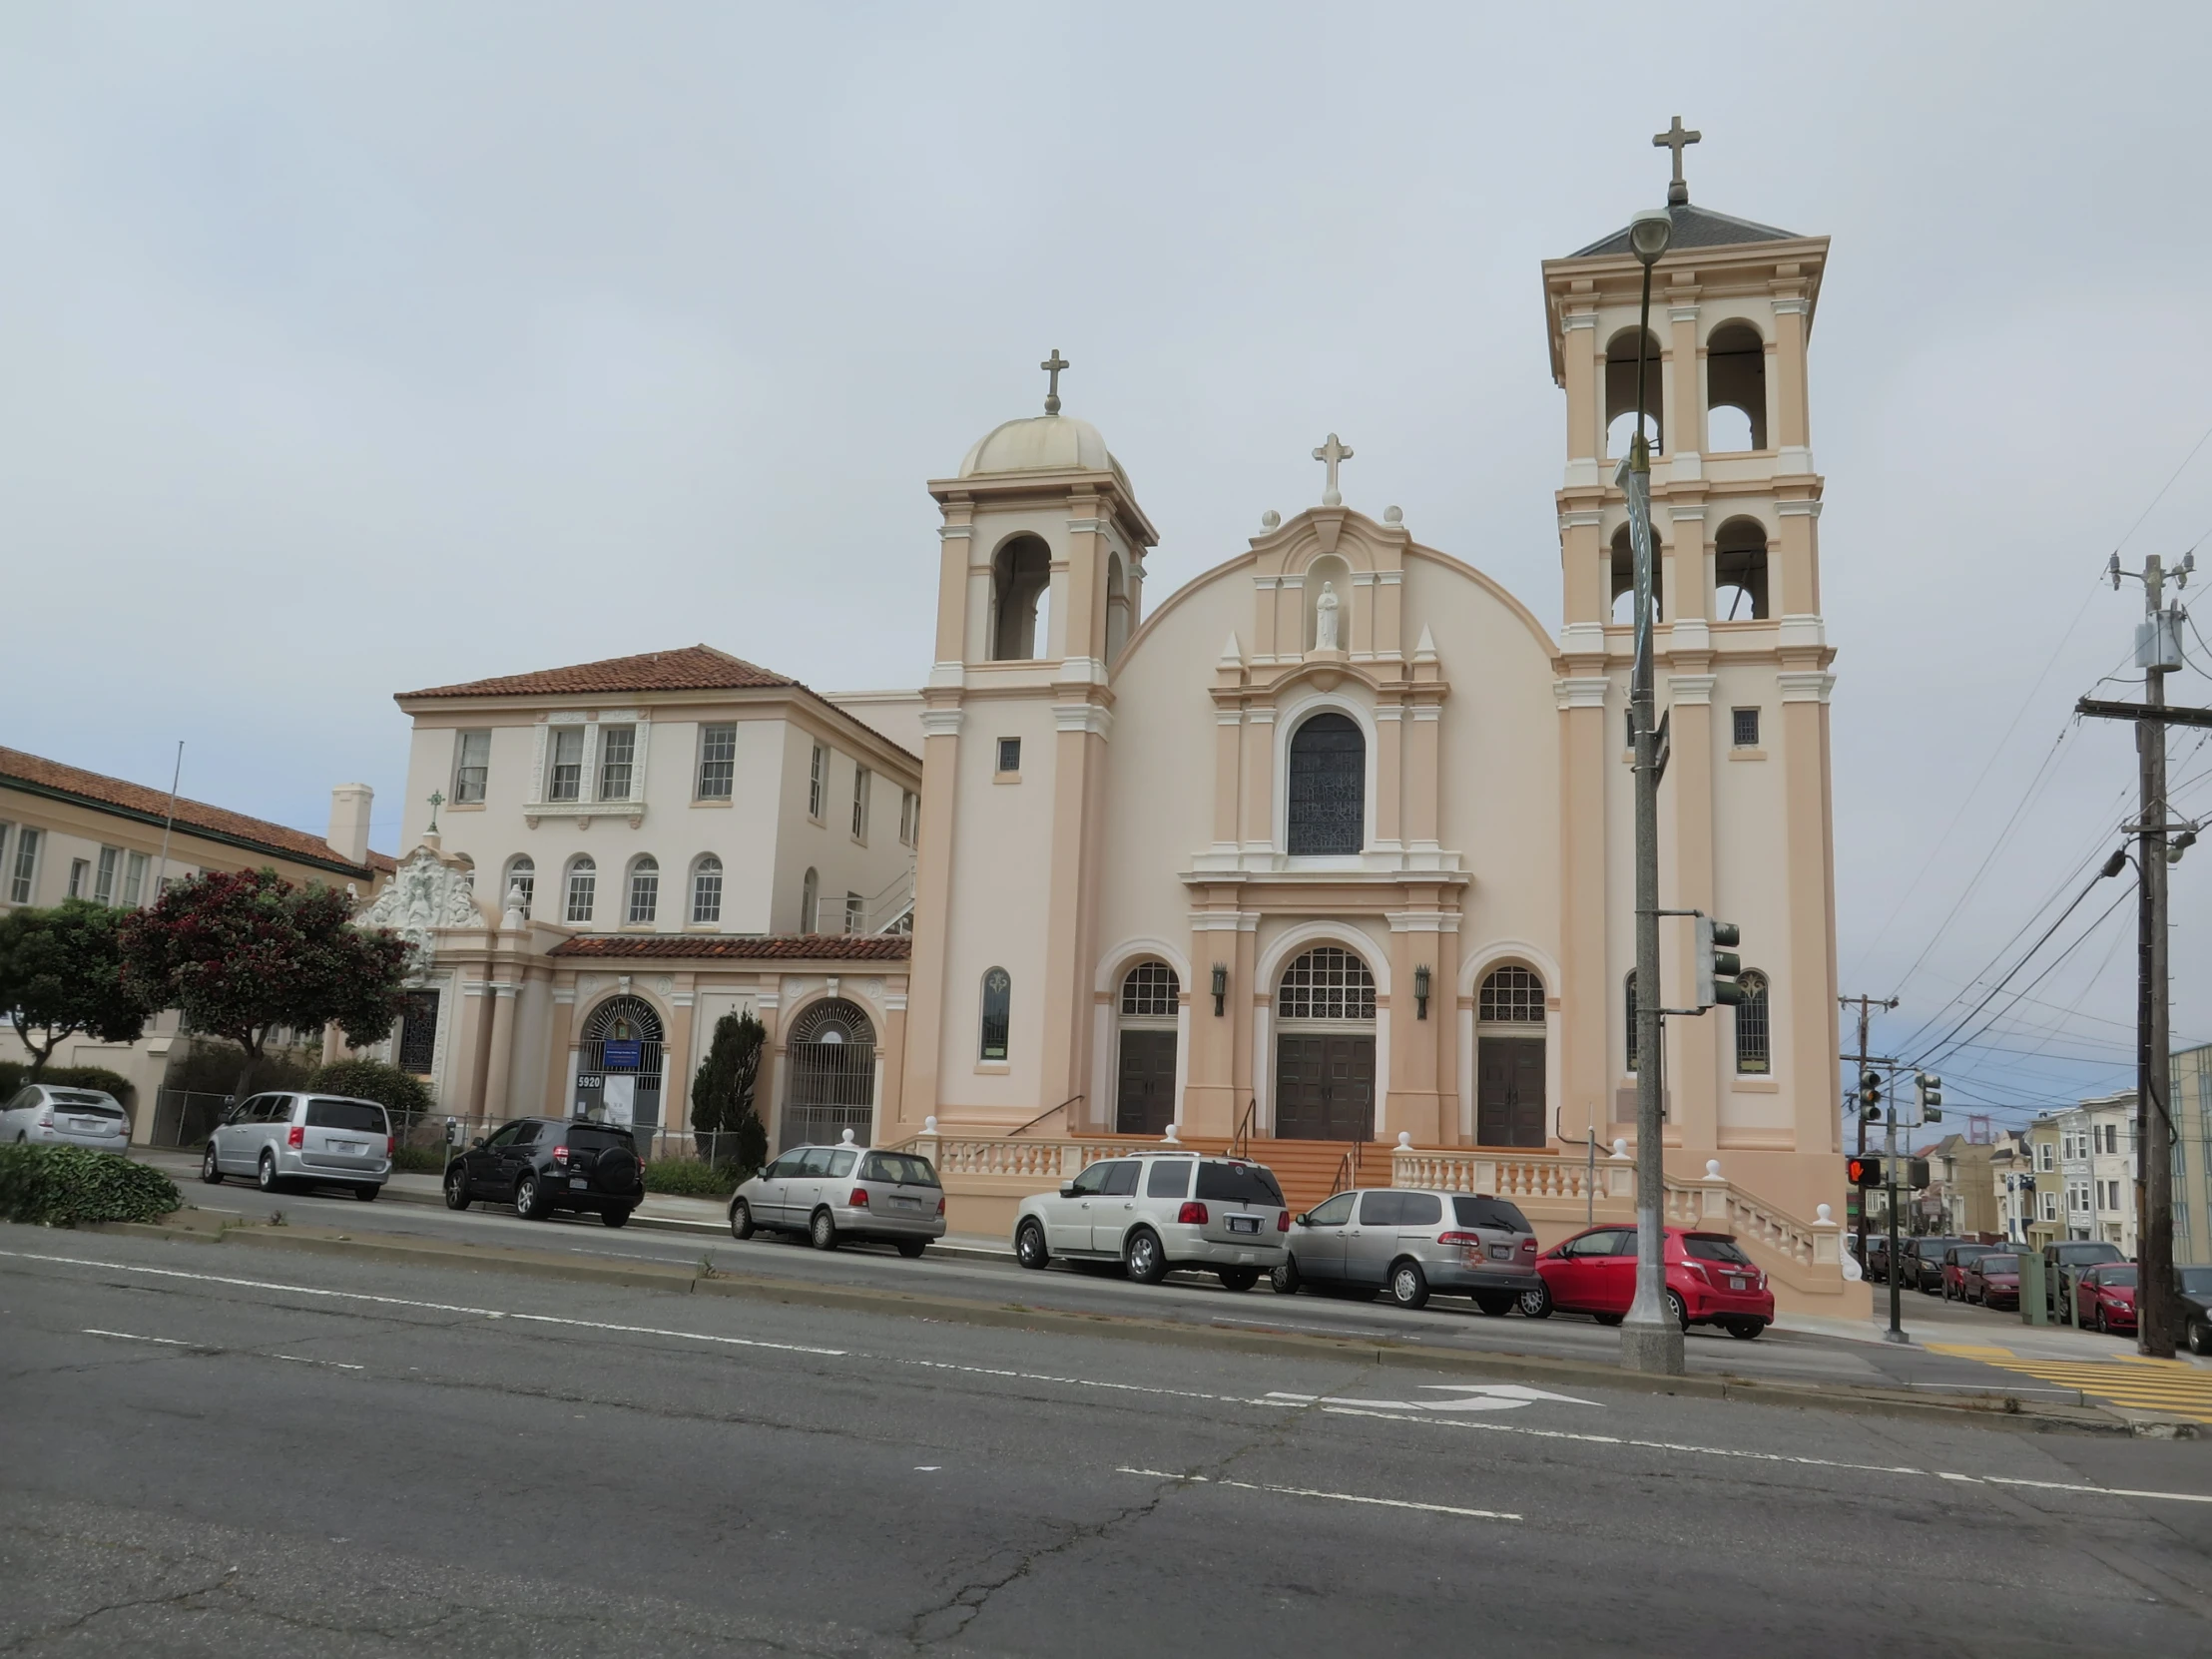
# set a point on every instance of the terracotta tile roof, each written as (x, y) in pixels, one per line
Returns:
(689, 668)
(91, 788)
(779, 948)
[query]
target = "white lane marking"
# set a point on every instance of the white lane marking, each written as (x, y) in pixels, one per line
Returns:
(1768, 1456)
(1336, 1497)
(302, 1360)
(426, 1307)
(1091, 1382)
(1470, 1396)
(129, 1337)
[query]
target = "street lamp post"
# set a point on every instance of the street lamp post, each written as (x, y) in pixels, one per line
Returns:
(1650, 1339)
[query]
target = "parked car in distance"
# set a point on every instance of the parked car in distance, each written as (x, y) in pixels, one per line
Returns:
(1994, 1280)
(1710, 1281)
(50, 1114)
(1157, 1212)
(1412, 1243)
(1920, 1265)
(543, 1165)
(1957, 1260)
(292, 1137)
(2109, 1297)
(1875, 1264)
(2061, 1260)
(833, 1194)
(2196, 1308)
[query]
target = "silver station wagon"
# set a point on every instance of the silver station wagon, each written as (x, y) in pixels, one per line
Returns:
(833, 1194)
(1411, 1242)
(1160, 1212)
(301, 1138)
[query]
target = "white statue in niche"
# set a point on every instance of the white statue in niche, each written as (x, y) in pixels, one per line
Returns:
(1325, 618)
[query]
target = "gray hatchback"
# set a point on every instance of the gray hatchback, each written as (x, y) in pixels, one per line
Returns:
(1412, 1243)
(836, 1193)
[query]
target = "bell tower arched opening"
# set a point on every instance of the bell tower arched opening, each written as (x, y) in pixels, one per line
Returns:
(1620, 392)
(1740, 572)
(1021, 580)
(1621, 588)
(1735, 390)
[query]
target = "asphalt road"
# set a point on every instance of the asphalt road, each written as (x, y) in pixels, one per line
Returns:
(1449, 1322)
(214, 1451)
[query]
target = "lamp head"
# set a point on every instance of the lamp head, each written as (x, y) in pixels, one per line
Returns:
(1649, 233)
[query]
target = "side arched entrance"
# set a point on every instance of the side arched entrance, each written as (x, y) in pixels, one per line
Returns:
(618, 1065)
(1324, 1048)
(832, 1054)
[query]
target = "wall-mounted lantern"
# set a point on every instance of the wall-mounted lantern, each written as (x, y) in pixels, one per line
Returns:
(1420, 990)
(1221, 986)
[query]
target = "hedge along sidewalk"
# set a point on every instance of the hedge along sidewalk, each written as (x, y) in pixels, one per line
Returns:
(1994, 1409)
(66, 1186)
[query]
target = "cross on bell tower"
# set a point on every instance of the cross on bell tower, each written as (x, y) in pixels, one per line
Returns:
(1052, 366)
(1677, 137)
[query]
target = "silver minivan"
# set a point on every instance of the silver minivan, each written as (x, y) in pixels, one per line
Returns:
(1413, 1242)
(1160, 1212)
(295, 1136)
(833, 1194)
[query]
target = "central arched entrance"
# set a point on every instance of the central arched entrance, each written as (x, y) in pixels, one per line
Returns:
(832, 1076)
(1324, 1048)
(617, 1064)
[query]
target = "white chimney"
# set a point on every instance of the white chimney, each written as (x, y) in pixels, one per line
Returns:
(349, 836)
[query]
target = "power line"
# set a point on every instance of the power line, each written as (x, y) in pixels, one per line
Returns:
(2028, 956)
(2079, 939)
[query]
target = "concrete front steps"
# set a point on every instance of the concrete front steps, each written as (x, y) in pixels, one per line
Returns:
(1308, 1171)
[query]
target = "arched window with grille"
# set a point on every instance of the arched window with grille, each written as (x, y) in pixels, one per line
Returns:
(644, 899)
(582, 891)
(522, 872)
(618, 1064)
(833, 1075)
(706, 892)
(1754, 1057)
(998, 1002)
(1327, 787)
(1509, 1058)
(1144, 1093)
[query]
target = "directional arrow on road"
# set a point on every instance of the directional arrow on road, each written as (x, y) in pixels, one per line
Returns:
(1464, 1396)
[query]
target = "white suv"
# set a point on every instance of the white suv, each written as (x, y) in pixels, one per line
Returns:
(1159, 1212)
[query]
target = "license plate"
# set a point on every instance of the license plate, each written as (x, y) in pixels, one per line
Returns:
(347, 1147)
(88, 1126)
(1244, 1224)
(578, 1182)
(1739, 1284)
(1501, 1253)
(904, 1202)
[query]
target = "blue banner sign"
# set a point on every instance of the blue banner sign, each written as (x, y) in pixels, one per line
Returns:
(623, 1056)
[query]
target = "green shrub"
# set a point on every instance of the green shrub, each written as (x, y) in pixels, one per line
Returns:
(422, 1160)
(405, 1096)
(690, 1178)
(62, 1186)
(202, 1066)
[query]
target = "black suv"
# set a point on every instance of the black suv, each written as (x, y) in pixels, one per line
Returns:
(540, 1165)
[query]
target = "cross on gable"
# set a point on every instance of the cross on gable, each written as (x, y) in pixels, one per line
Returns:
(1676, 138)
(1332, 452)
(1052, 366)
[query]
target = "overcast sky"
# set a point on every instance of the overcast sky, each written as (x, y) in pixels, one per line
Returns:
(348, 349)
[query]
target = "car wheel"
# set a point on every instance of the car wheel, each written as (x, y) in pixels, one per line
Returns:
(456, 1186)
(1535, 1301)
(616, 1217)
(1609, 1320)
(911, 1248)
(1030, 1248)
(822, 1232)
(2102, 1328)
(1239, 1278)
(266, 1176)
(1746, 1329)
(526, 1198)
(1947, 1290)
(1283, 1280)
(2199, 1337)
(210, 1171)
(1408, 1285)
(1142, 1256)
(368, 1195)
(1677, 1312)
(1496, 1303)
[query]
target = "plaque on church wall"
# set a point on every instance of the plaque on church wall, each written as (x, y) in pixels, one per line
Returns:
(418, 1032)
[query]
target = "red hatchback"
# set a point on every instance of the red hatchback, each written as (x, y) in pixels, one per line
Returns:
(1994, 1280)
(2109, 1297)
(1710, 1281)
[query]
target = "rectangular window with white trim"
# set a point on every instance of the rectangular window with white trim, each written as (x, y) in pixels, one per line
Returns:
(102, 878)
(861, 776)
(717, 762)
(910, 817)
(565, 780)
(817, 781)
(472, 767)
(134, 880)
(617, 752)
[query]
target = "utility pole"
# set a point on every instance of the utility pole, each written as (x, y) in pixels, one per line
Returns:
(1867, 1004)
(2157, 653)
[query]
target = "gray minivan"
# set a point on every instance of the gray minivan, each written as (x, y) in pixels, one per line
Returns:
(1415, 1241)
(836, 1193)
(296, 1136)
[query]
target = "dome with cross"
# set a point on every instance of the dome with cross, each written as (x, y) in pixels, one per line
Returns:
(1041, 443)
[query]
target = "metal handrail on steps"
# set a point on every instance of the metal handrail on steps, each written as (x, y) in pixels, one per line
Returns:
(1041, 1116)
(1240, 1143)
(1347, 1171)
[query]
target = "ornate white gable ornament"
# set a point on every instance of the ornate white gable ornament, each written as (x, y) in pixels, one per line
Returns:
(428, 892)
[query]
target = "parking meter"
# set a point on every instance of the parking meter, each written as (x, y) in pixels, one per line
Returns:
(453, 1132)
(2034, 1288)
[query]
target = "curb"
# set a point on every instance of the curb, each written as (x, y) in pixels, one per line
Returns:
(1994, 1409)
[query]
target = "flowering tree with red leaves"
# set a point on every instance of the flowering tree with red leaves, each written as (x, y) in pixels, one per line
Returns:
(246, 953)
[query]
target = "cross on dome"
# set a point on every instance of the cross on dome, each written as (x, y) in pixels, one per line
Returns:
(1677, 137)
(1052, 366)
(1332, 452)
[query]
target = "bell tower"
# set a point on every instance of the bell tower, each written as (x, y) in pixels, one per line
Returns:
(1040, 584)
(1742, 661)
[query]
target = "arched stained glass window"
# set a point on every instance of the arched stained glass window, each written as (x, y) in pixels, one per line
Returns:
(1512, 995)
(1150, 991)
(998, 995)
(1752, 1053)
(1326, 984)
(1327, 787)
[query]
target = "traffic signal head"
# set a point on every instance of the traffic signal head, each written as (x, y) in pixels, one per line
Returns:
(1863, 1172)
(1718, 966)
(1870, 1093)
(1931, 1096)
(1916, 1172)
